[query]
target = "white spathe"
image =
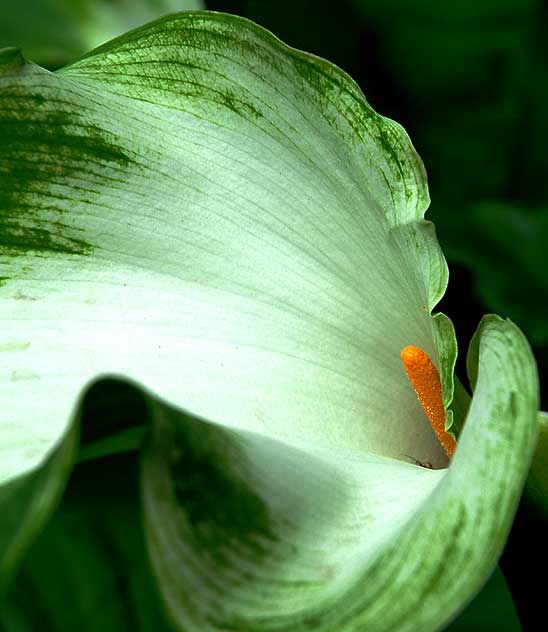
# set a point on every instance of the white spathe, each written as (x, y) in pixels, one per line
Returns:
(246, 269)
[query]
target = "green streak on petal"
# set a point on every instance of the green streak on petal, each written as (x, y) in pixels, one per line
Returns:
(45, 149)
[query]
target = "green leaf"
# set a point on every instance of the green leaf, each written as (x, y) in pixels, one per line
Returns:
(88, 569)
(492, 610)
(226, 223)
(27, 502)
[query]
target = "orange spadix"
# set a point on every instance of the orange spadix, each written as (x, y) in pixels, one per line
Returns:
(425, 380)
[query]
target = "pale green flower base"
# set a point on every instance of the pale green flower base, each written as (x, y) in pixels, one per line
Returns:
(227, 224)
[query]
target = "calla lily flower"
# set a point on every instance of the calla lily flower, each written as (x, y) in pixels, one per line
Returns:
(226, 223)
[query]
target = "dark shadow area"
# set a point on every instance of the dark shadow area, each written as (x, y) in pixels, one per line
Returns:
(111, 406)
(523, 562)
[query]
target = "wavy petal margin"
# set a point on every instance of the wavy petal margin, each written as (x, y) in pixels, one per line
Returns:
(196, 190)
(305, 560)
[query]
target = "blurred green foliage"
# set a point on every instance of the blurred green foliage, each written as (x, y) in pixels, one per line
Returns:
(55, 32)
(89, 570)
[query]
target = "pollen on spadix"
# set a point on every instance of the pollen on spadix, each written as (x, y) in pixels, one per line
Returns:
(425, 380)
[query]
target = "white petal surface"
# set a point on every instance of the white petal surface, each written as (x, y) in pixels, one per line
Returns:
(221, 215)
